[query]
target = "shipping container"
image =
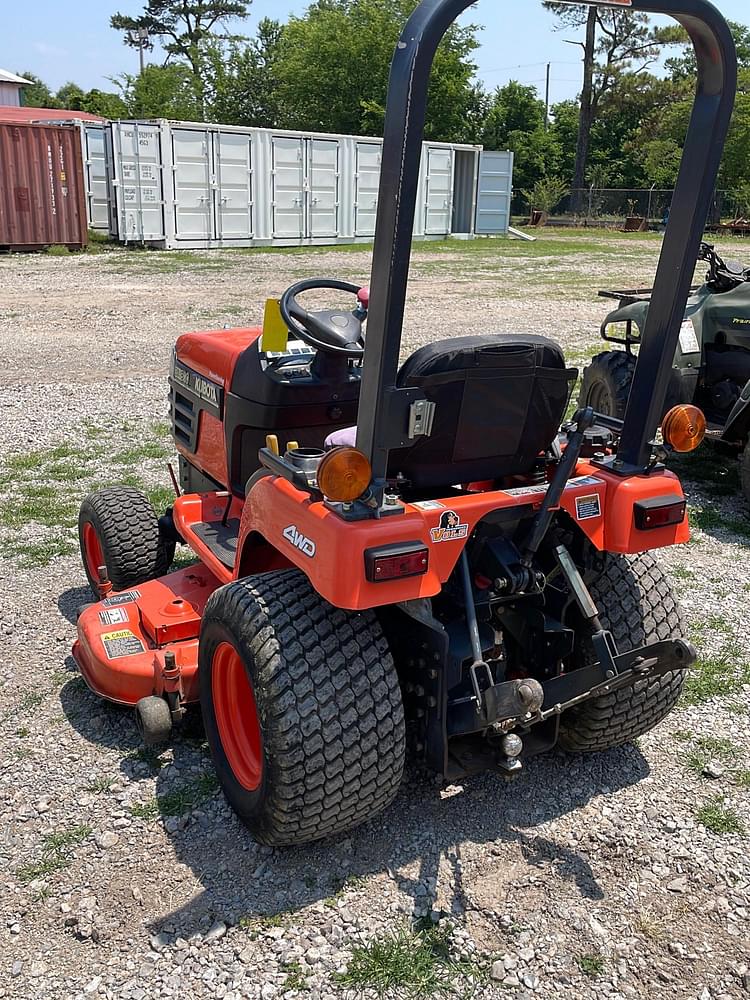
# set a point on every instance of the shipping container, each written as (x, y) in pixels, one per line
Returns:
(95, 163)
(195, 185)
(42, 198)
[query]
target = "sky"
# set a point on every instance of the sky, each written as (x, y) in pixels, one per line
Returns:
(60, 41)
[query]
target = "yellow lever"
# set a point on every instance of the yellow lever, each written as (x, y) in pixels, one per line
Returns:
(272, 443)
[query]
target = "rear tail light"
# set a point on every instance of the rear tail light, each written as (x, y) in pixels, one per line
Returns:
(659, 512)
(394, 562)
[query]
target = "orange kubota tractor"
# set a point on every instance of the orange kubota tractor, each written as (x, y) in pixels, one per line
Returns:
(431, 554)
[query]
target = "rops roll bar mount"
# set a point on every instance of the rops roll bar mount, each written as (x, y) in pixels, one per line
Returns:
(384, 409)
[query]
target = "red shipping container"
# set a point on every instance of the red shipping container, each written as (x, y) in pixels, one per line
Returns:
(42, 197)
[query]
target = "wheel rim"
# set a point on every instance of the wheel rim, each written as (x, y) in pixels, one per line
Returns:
(93, 553)
(600, 399)
(237, 716)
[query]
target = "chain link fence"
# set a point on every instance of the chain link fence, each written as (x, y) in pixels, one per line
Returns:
(633, 208)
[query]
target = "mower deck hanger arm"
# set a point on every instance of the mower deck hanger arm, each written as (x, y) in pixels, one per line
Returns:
(383, 408)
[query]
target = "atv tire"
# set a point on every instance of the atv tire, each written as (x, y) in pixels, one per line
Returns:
(606, 383)
(636, 603)
(118, 526)
(301, 706)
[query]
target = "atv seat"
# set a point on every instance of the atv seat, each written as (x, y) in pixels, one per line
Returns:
(499, 401)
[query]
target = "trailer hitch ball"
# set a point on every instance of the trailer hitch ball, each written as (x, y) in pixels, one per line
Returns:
(511, 745)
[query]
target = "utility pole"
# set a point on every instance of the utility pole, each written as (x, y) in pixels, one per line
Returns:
(546, 97)
(139, 39)
(142, 44)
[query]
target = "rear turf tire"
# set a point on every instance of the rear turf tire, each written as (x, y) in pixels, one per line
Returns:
(119, 526)
(637, 604)
(309, 741)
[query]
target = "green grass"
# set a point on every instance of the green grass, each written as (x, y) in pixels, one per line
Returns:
(683, 573)
(43, 488)
(718, 819)
(716, 675)
(100, 785)
(710, 519)
(178, 802)
(709, 748)
(295, 978)
(57, 851)
(411, 963)
(591, 965)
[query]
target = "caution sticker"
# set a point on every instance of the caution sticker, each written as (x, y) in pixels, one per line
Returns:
(114, 616)
(122, 643)
(127, 597)
(587, 507)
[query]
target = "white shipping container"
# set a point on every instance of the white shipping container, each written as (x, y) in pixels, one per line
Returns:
(196, 185)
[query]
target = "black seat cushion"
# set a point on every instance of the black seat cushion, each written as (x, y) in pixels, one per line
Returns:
(499, 400)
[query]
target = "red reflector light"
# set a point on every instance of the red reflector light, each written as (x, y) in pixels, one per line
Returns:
(659, 512)
(393, 562)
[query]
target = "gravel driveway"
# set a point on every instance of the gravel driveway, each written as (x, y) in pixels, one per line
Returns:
(125, 875)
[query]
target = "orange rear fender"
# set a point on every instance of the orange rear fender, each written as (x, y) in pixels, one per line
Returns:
(331, 552)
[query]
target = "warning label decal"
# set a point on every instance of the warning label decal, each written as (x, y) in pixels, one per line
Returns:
(128, 597)
(587, 507)
(114, 616)
(122, 643)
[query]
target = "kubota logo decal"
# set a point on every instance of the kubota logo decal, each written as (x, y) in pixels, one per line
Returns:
(449, 528)
(299, 541)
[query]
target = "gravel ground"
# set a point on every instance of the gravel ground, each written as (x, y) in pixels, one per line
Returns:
(125, 875)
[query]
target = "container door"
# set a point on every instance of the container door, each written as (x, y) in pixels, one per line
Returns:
(438, 191)
(192, 166)
(234, 191)
(97, 182)
(138, 181)
(322, 187)
(366, 185)
(494, 192)
(288, 187)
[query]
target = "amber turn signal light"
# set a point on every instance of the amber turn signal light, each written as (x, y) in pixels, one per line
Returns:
(344, 474)
(684, 427)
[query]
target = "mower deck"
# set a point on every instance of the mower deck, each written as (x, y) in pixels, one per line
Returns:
(123, 640)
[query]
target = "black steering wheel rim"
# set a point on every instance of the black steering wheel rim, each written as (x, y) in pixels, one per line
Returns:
(288, 302)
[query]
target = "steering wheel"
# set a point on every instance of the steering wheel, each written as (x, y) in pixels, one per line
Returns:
(334, 331)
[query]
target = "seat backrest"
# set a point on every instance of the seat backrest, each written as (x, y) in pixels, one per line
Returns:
(499, 401)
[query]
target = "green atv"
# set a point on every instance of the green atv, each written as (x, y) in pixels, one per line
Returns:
(711, 366)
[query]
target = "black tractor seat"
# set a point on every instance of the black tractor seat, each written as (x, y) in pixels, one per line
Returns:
(499, 402)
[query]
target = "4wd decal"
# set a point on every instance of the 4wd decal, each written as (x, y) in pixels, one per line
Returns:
(306, 545)
(449, 528)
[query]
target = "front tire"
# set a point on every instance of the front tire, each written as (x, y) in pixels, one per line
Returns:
(117, 528)
(302, 709)
(636, 603)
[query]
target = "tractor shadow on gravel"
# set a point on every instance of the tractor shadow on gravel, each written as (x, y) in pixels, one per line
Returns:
(426, 838)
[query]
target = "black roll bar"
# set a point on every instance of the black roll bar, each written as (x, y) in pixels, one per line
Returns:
(383, 409)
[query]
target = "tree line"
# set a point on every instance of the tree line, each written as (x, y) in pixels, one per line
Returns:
(327, 71)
